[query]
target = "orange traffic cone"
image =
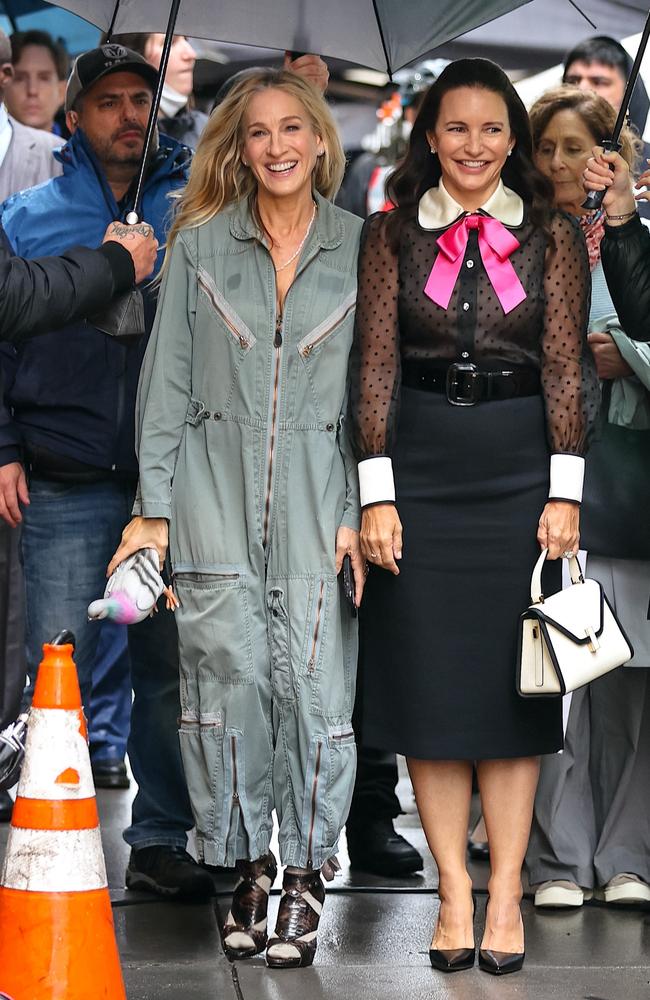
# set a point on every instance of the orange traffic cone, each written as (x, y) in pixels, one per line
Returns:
(57, 940)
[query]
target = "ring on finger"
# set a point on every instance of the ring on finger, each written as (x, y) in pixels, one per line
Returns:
(373, 555)
(568, 554)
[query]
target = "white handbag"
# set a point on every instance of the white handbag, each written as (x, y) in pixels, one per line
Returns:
(568, 639)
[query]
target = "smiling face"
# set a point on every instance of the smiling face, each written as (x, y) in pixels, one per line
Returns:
(279, 143)
(562, 153)
(35, 93)
(472, 138)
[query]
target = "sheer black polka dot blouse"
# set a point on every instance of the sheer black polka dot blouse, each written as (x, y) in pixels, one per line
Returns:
(412, 308)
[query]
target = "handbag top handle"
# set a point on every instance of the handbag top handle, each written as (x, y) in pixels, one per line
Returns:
(536, 595)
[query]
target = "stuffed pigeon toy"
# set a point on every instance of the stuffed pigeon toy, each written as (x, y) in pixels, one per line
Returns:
(132, 590)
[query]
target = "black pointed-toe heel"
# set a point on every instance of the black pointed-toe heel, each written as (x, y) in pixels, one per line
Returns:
(452, 959)
(500, 963)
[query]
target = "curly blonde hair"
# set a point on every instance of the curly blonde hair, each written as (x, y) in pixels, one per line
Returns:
(218, 177)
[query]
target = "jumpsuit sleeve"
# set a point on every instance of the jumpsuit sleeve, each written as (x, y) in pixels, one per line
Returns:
(164, 390)
(352, 509)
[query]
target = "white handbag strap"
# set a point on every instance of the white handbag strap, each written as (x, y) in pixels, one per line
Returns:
(536, 595)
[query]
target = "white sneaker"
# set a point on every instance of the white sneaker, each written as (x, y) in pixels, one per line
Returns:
(624, 888)
(561, 894)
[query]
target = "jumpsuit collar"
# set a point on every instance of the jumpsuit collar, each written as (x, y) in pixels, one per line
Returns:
(328, 226)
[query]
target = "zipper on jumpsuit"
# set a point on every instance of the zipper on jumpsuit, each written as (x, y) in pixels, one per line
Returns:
(312, 819)
(308, 348)
(235, 801)
(277, 344)
(314, 641)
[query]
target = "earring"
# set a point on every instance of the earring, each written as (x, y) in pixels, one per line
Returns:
(433, 151)
(510, 152)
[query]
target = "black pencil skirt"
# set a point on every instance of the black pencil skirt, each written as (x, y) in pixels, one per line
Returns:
(438, 642)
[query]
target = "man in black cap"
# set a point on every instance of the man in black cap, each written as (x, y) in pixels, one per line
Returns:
(72, 397)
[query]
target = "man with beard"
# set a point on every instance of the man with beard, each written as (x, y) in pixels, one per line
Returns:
(67, 457)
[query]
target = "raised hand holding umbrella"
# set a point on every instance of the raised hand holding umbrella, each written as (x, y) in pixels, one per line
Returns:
(594, 199)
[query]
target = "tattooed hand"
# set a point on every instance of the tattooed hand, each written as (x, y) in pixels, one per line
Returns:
(141, 243)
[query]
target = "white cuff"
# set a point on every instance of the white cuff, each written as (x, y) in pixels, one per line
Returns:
(567, 477)
(376, 483)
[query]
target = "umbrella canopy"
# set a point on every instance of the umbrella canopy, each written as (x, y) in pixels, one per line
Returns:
(381, 34)
(539, 34)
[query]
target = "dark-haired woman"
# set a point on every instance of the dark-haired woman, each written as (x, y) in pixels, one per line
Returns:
(473, 383)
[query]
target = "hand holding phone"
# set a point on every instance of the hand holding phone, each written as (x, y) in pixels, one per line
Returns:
(347, 582)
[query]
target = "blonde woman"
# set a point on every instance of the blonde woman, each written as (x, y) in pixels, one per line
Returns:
(244, 457)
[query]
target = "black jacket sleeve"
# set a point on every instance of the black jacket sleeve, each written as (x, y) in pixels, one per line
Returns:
(49, 292)
(625, 253)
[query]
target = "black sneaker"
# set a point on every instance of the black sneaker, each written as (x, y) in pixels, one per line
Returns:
(168, 871)
(376, 847)
(110, 774)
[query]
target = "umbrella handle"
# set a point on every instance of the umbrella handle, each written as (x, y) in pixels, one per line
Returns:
(594, 199)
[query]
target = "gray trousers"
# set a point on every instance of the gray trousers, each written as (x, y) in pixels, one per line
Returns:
(13, 666)
(592, 810)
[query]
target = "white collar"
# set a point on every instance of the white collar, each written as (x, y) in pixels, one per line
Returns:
(437, 209)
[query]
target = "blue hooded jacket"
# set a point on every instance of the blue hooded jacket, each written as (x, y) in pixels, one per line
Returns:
(72, 391)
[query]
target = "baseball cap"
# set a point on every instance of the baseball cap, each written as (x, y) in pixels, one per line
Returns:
(91, 66)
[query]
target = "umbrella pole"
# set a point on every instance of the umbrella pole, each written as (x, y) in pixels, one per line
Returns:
(594, 199)
(112, 24)
(133, 216)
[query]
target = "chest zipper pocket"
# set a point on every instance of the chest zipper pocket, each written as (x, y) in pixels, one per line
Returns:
(317, 337)
(237, 330)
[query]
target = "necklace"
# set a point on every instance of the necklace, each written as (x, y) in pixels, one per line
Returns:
(293, 256)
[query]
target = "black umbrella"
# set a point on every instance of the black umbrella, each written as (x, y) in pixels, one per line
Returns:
(381, 34)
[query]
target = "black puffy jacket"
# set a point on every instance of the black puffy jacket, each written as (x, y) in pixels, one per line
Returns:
(49, 292)
(625, 253)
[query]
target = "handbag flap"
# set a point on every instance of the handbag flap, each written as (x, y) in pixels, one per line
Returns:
(576, 611)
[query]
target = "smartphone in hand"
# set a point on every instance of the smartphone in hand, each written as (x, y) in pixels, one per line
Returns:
(347, 582)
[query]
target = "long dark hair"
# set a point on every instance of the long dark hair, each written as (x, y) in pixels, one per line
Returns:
(420, 171)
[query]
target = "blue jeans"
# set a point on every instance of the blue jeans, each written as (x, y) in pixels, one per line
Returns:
(70, 532)
(110, 702)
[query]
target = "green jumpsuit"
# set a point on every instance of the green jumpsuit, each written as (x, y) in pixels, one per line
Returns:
(243, 446)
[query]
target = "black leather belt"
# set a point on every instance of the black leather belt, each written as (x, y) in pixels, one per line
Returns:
(465, 385)
(44, 464)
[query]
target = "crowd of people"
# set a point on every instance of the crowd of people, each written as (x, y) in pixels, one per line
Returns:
(348, 442)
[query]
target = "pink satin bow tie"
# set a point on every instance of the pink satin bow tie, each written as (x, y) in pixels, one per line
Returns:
(495, 244)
